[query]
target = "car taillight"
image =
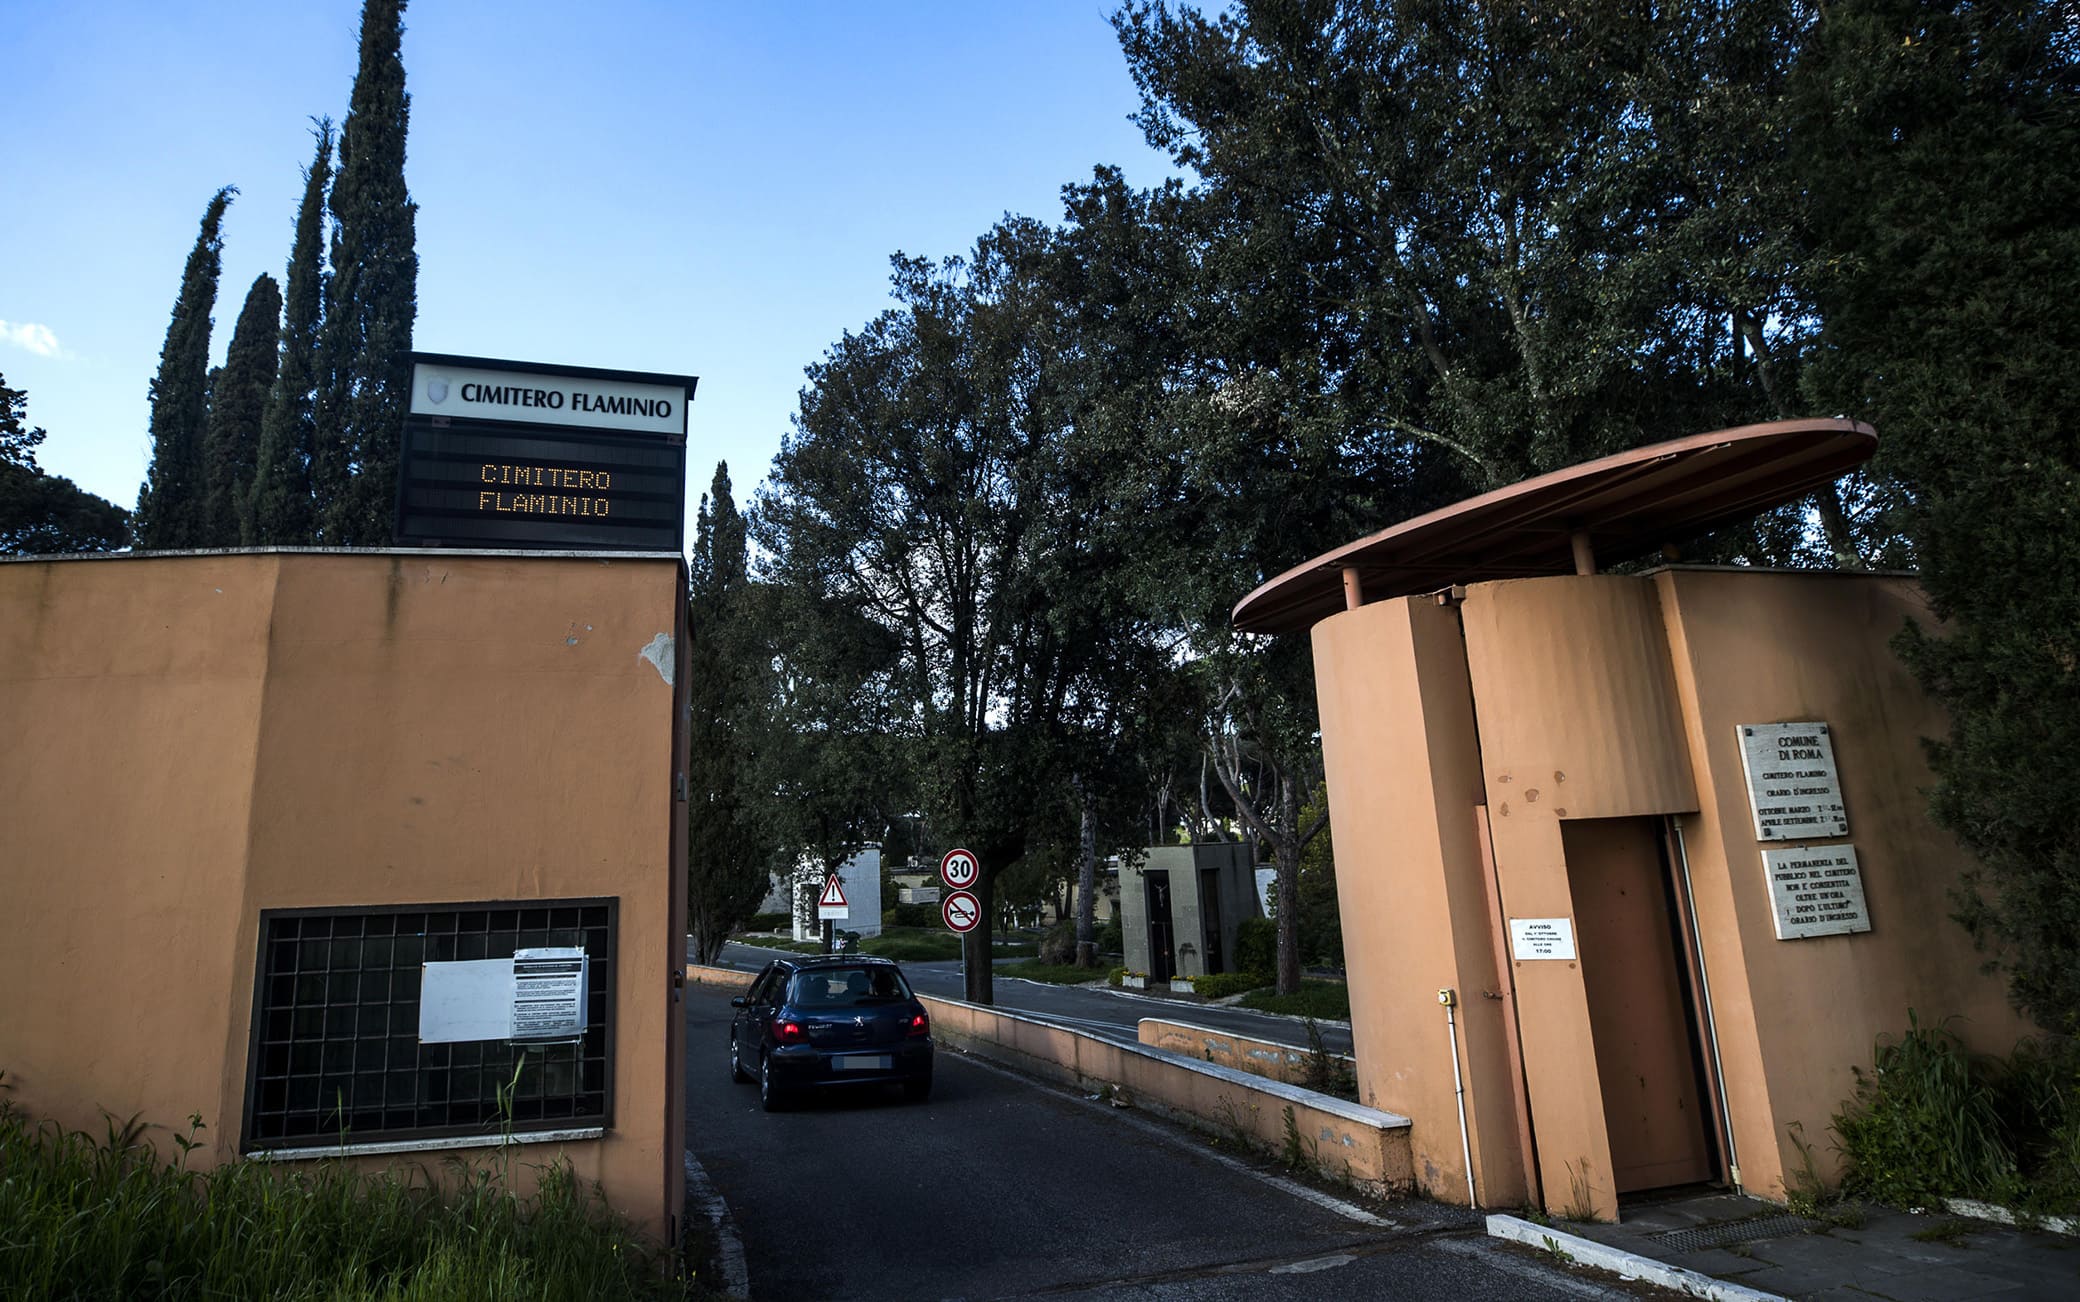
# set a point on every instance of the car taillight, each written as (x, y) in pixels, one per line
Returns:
(788, 1032)
(918, 1026)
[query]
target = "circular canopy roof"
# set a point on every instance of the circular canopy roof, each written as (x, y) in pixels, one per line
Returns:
(1625, 505)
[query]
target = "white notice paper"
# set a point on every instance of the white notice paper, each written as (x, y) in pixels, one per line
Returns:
(1794, 789)
(548, 994)
(1816, 891)
(1541, 938)
(467, 1000)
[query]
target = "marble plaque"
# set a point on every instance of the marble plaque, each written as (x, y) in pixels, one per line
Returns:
(1793, 788)
(1816, 890)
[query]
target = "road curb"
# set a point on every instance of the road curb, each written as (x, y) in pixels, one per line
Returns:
(1620, 1262)
(729, 1249)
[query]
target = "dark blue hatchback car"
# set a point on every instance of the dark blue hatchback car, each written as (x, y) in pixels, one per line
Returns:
(830, 1021)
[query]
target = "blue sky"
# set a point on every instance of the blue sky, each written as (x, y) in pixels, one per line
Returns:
(704, 188)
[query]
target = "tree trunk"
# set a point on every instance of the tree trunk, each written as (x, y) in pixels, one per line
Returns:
(980, 986)
(1087, 879)
(1285, 847)
(1834, 523)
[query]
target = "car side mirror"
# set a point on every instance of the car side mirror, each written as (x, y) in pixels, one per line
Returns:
(737, 1002)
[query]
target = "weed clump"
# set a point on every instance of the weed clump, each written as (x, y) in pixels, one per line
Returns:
(105, 1217)
(1932, 1119)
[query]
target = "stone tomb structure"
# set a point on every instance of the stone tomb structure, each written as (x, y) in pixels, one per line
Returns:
(1660, 835)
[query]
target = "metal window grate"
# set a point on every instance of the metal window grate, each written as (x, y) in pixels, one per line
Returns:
(335, 1050)
(1727, 1233)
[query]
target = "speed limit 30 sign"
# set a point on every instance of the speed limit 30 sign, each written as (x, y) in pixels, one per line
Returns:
(961, 911)
(959, 869)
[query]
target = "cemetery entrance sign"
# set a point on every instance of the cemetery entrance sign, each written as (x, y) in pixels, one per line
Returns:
(514, 454)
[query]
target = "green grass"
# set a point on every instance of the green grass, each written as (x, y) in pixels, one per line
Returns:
(1330, 1000)
(1061, 974)
(104, 1217)
(1934, 1120)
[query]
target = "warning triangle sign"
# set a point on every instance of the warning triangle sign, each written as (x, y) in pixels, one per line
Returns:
(833, 893)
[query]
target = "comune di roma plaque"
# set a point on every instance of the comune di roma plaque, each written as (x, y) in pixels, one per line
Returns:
(514, 454)
(1794, 790)
(1816, 891)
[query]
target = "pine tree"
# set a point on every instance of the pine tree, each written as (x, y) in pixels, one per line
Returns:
(238, 398)
(170, 504)
(282, 509)
(364, 366)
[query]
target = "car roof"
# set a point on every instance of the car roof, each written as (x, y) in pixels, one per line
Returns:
(838, 960)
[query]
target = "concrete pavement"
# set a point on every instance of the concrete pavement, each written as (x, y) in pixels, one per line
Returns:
(1738, 1249)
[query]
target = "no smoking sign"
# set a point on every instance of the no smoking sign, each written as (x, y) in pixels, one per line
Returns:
(961, 911)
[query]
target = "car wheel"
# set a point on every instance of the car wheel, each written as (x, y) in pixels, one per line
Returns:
(768, 1093)
(917, 1091)
(736, 1068)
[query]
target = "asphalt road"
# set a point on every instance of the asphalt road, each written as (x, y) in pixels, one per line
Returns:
(1001, 1188)
(1104, 1011)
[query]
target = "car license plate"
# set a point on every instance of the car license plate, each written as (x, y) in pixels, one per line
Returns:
(864, 1062)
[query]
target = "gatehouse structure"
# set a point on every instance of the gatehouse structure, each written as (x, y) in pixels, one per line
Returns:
(1633, 867)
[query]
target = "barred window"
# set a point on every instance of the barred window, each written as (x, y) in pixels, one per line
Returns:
(336, 1057)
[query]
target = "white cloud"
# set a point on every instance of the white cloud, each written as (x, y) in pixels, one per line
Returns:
(31, 337)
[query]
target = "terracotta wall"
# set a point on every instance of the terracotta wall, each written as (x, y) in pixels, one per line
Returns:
(1404, 787)
(197, 738)
(1577, 720)
(1754, 647)
(1617, 697)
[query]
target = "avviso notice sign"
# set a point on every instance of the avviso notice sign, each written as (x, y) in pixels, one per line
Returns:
(512, 454)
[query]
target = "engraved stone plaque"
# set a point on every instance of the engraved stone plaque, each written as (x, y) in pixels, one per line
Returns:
(1816, 891)
(1793, 788)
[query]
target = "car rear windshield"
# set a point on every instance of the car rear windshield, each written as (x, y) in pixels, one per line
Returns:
(831, 987)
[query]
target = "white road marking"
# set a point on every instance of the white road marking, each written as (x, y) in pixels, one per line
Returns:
(1310, 1266)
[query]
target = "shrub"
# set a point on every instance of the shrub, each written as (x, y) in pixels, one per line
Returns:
(1058, 946)
(911, 915)
(1111, 940)
(1256, 946)
(1222, 984)
(1922, 1126)
(1933, 1119)
(769, 922)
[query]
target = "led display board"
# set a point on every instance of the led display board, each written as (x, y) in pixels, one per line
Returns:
(513, 454)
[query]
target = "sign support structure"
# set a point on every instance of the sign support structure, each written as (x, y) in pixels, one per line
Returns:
(960, 869)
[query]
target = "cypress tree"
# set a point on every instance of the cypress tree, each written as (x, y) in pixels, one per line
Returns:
(729, 843)
(238, 399)
(365, 354)
(282, 510)
(170, 503)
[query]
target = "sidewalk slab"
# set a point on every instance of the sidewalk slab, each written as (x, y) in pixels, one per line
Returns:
(1728, 1246)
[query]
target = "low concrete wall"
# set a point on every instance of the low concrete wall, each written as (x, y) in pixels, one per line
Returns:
(1224, 1048)
(1362, 1146)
